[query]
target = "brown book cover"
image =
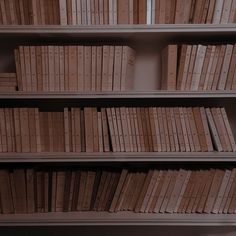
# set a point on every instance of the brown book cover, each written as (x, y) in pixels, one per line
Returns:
(18, 70)
(100, 132)
(222, 189)
(200, 129)
(232, 16)
(88, 118)
(106, 142)
(197, 70)
(61, 69)
(119, 187)
(73, 68)
(30, 190)
(180, 179)
(184, 129)
(169, 67)
(216, 182)
(56, 68)
(122, 134)
(228, 193)
(20, 188)
(24, 124)
(105, 12)
(162, 191)
(206, 129)
(201, 204)
(78, 12)
(7, 206)
(111, 129)
(230, 83)
(228, 128)
(133, 130)
(210, 12)
(123, 12)
(114, 121)
(81, 68)
(153, 129)
(105, 62)
(98, 73)
(93, 72)
(225, 67)
(213, 130)
(99, 12)
(51, 67)
(136, 124)
(117, 68)
(129, 128)
(88, 68)
(95, 130)
(110, 68)
(191, 67)
(32, 130)
(88, 190)
(206, 64)
(100, 189)
(188, 129)
(16, 113)
(216, 79)
(219, 128)
(169, 191)
(142, 11)
(82, 187)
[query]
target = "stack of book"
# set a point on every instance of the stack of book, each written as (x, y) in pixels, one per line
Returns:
(74, 68)
(29, 12)
(199, 67)
(141, 191)
(112, 12)
(120, 129)
(8, 82)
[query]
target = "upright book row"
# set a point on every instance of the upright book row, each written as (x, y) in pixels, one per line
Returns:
(120, 129)
(140, 191)
(112, 12)
(199, 67)
(74, 68)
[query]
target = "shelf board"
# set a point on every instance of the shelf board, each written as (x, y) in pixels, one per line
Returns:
(159, 32)
(120, 157)
(119, 29)
(118, 95)
(120, 218)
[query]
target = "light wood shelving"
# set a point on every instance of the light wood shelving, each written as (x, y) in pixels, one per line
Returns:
(112, 157)
(121, 219)
(156, 34)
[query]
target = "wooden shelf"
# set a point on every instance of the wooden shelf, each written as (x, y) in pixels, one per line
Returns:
(120, 29)
(161, 32)
(121, 218)
(120, 157)
(118, 95)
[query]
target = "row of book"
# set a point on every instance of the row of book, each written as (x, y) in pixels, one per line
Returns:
(8, 82)
(112, 12)
(74, 68)
(117, 129)
(189, 11)
(141, 191)
(199, 67)
(29, 12)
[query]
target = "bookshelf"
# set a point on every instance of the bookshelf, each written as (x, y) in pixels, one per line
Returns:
(144, 38)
